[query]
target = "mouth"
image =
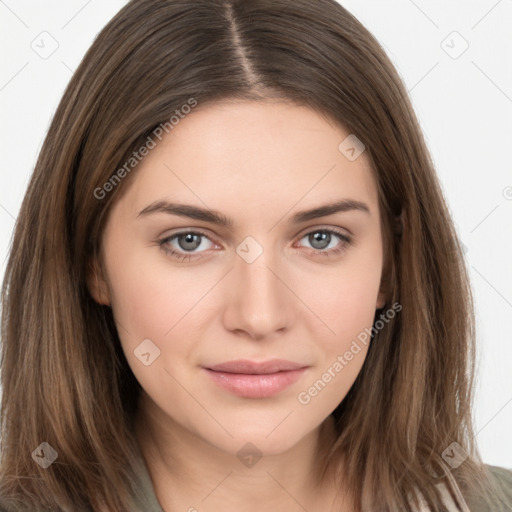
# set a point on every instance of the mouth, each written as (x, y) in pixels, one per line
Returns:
(256, 379)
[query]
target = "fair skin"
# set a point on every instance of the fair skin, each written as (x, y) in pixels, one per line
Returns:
(258, 164)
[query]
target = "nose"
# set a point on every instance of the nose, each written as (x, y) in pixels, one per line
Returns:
(259, 302)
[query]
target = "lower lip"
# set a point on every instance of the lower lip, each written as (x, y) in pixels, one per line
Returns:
(255, 386)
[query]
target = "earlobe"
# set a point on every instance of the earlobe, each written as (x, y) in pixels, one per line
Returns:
(384, 288)
(97, 285)
(381, 300)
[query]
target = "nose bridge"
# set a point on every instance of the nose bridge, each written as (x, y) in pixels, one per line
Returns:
(258, 280)
(260, 300)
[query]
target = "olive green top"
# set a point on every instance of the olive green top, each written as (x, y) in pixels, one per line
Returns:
(146, 500)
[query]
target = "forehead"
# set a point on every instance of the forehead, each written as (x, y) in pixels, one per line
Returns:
(253, 154)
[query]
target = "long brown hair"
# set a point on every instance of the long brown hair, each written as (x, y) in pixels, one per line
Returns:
(65, 380)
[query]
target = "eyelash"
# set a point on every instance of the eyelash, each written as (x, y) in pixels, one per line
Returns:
(346, 241)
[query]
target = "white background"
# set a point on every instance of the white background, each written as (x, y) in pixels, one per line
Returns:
(464, 105)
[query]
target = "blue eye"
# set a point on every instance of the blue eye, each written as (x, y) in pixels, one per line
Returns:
(184, 246)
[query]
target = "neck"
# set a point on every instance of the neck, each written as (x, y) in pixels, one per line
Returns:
(190, 474)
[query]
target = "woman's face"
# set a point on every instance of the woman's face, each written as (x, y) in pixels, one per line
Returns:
(259, 281)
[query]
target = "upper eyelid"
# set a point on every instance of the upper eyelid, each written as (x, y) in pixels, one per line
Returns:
(336, 230)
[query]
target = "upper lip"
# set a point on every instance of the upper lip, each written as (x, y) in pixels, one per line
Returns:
(247, 367)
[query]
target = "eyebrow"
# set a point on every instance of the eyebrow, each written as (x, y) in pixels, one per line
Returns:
(215, 217)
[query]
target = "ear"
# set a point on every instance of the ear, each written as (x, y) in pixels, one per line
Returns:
(381, 299)
(388, 272)
(97, 284)
(383, 293)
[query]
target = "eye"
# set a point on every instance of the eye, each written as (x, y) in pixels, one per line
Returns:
(327, 241)
(184, 245)
(187, 244)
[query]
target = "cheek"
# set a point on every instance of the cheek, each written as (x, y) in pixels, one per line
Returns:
(142, 308)
(355, 306)
(345, 302)
(151, 300)
(147, 297)
(151, 303)
(347, 306)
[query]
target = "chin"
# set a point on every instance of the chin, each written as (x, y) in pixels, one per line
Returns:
(258, 440)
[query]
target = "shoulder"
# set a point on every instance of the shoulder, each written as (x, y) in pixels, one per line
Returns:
(503, 479)
(502, 474)
(501, 501)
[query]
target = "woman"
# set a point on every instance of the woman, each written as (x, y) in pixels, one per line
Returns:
(247, 291)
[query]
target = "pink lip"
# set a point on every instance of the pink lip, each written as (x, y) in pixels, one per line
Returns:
(256, 380)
